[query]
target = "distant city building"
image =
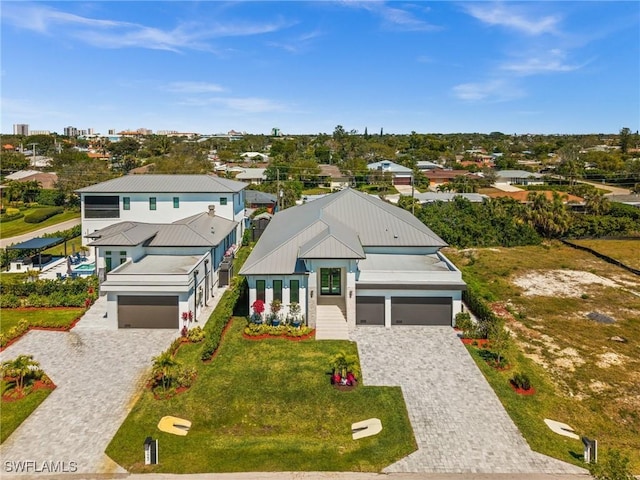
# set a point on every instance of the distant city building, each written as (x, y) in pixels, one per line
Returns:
(90, 131)
(70, 131)
(275, 132)
(39, 132)
(166, 132)
(21, 129)
(112, 131)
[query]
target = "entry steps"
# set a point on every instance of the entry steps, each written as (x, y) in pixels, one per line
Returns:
(331, 323)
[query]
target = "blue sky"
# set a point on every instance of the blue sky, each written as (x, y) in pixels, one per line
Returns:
(514, 67)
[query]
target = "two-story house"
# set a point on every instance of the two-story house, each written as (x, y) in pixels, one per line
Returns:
(159, 242)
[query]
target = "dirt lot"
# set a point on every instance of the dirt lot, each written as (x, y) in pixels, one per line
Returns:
(578, 318)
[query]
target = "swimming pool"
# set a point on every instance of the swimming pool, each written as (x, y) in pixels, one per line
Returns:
(85, 268)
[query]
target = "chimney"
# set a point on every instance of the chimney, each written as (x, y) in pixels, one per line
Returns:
(212, 210)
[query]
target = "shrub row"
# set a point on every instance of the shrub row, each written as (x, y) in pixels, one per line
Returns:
(68, 234)
(20, 288)
(481, 310)
(220, 317)
(57, 299)
(41, 214)
(253, 329)
(7, 217)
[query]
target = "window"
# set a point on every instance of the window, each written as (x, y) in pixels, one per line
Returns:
(152, 203)
(260, 289)
(123, 253)
(102, 206)
(122, 260)
(108, 263)
(176, 202)
(223, 200)
(294, 293)
(126, 203)
(277, 290)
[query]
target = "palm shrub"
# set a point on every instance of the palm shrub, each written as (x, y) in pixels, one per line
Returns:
(521, 381)
(164, 369)
(22, 368)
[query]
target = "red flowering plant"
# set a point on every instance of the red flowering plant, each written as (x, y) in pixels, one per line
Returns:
(258, 309)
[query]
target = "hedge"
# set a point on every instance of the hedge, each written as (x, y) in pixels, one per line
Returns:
(7, 217)
(476, 303)
(70, 287)
(220, 318)
(41, 214)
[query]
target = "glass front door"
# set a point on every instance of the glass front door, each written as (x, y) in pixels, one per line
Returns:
(330, 281)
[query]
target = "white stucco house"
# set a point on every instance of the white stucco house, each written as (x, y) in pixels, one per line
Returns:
(376, 262)
(519, 177)
(160, 242)
(400, 174)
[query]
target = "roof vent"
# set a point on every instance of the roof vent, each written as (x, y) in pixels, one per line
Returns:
(212, 210)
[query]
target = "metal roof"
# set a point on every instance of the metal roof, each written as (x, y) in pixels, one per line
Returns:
(37, 243)
(255, 196)
(389, 166)
(338, 225)
(201, 230)
(166, 184)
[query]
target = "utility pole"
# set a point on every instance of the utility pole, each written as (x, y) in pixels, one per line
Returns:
(413, 196)
(33, 154)
(278, 187)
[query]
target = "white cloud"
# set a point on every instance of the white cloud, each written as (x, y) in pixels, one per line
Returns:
(513, 17)
(496, 90)
(297, 44)
(193, 87)
(117, 34)
(393, 17)
(549, 62)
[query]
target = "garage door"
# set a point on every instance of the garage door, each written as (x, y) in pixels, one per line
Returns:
(420, 310)
(402, 180)
(369, 310)
(147, 311)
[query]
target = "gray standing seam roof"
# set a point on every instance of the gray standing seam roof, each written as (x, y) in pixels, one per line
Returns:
(340, 220)
(200, 230)
(150, 183)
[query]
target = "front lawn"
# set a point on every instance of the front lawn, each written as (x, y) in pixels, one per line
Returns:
(12, 414)
(19, 226)
(39, 317)
(267, 406)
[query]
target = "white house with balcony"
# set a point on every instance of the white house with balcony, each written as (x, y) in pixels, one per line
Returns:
(160, 243)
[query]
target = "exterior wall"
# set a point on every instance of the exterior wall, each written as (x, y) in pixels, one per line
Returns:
(190, 204)
(286, 292)
(456, 296)
(347, 281)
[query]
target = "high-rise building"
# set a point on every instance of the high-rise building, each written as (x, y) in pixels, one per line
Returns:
(70, 131)
(21, 129)
(112, 131)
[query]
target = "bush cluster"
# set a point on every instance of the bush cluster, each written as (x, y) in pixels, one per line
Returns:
(521, 381)
(254, 330)
(7, 217)
(71, 286)
(14, 332)
(196, 335)
(480, 309)
(41, 214)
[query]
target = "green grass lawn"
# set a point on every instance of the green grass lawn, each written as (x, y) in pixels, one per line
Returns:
(12, 414)
(38, 317)
(267, 406)
(73, 245)
(316, 191)
(626, 251)
(19, 226)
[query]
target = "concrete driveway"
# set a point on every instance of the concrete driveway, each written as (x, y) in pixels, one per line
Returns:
(459, 423)
(97, 372)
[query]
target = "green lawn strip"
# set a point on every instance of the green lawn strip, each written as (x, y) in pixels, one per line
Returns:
(39, 317)
(267, 406)
(316, 191)
(12, 414)
(19, 226)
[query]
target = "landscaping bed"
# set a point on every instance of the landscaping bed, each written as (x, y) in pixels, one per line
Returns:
(267, 406)
(18, 321)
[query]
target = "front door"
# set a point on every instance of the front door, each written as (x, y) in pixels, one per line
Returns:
(330, 281)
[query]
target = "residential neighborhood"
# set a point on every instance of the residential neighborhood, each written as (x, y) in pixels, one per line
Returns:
(320, 240)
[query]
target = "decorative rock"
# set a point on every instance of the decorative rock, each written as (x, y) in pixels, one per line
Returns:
(616, 338)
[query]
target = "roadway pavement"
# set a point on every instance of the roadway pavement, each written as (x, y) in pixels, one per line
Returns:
(4, 242)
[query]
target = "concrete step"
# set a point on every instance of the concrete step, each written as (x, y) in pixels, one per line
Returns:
(331, 323)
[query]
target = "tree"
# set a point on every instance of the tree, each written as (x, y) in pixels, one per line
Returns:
(13, 161)
(125, 146)
(164, 366)
(20, 368)
(625, 136)
(550, 218)
(569, 163)
(596, 203)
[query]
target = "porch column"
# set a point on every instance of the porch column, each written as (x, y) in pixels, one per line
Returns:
(387, 311)
(312, 298)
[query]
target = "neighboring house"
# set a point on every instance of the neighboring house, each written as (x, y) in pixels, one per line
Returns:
(47, 180)
(522, 196)
(255, 156)
(259, 224)
(401, 175)
(159, 243)
(256, 199)
(630, 199)
(518, 177)
(423, 165)
(331, 177)
(254, 176)
(440, 177)
(430, 197)
(376, 262)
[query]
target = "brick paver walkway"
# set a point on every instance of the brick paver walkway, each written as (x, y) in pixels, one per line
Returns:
(459, 423)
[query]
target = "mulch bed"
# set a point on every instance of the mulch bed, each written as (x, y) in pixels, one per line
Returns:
(479, 342)
(309, 335)
(520, 391)
(15, 394)
(50, 329)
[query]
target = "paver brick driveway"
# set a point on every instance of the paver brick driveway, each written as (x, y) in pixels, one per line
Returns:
(459, 423)
(97, 373)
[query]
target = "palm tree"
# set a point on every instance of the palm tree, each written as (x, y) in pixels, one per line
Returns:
(596, 203)
(163, 366)
(20, 368)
